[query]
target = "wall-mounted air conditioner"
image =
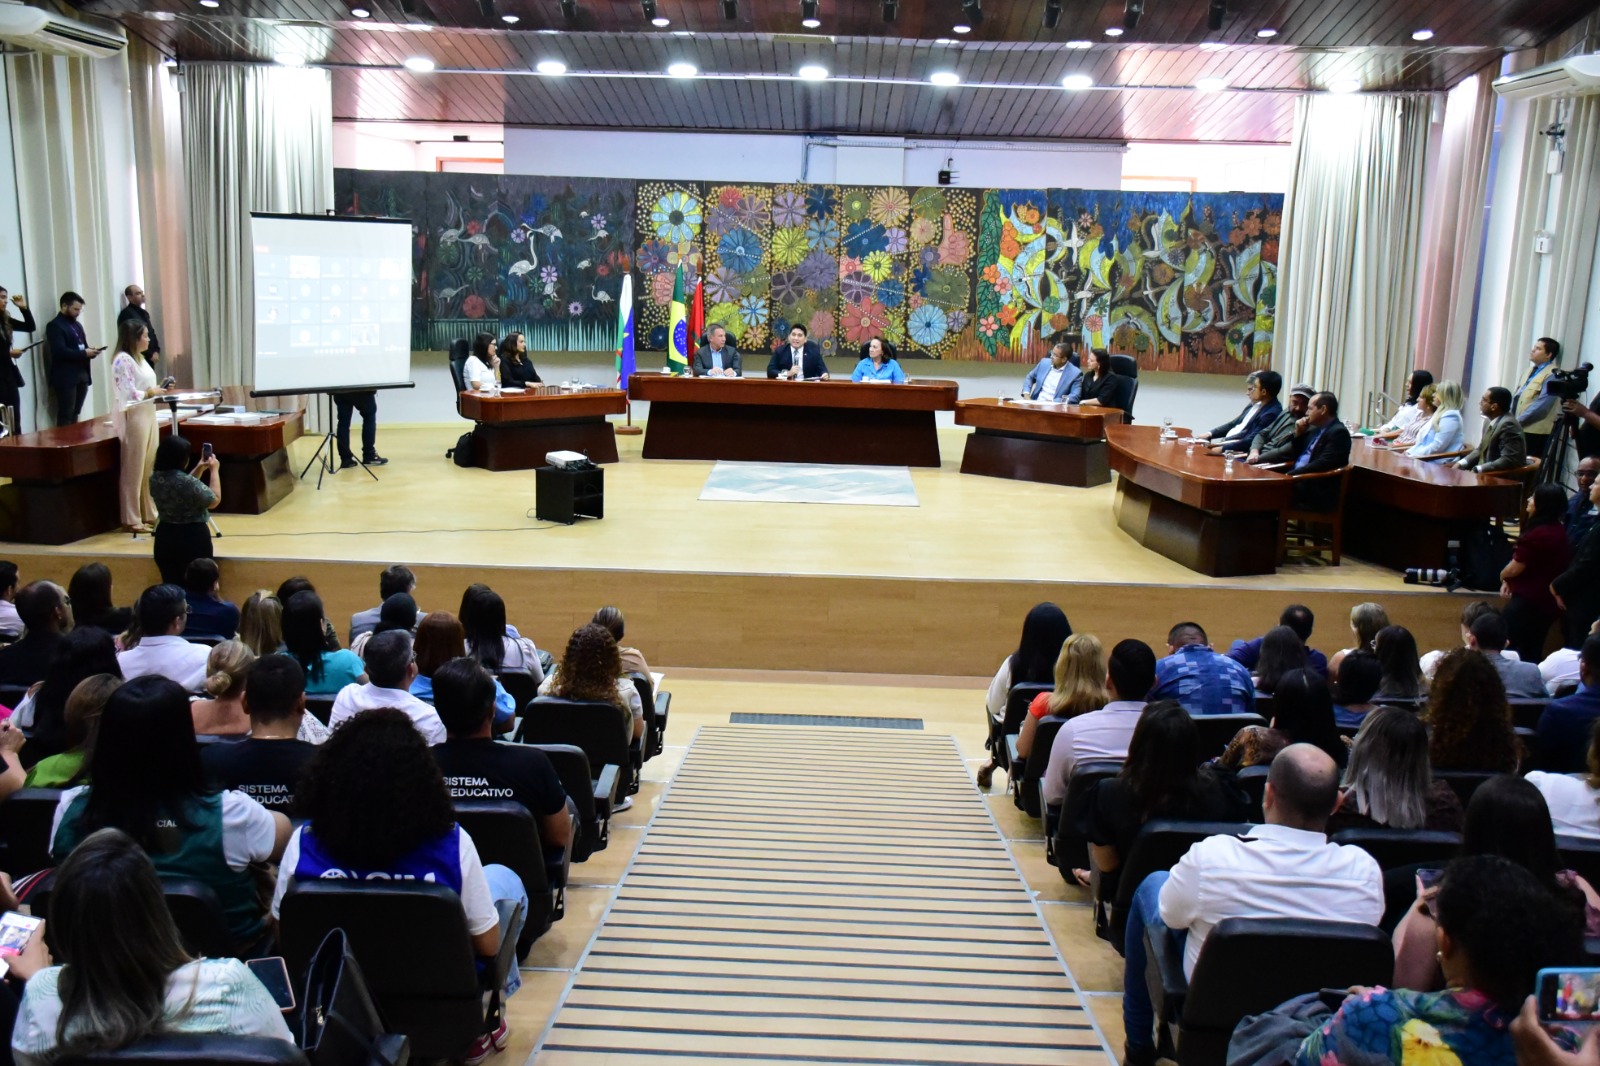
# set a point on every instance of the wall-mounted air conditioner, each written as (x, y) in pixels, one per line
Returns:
(37, 30)
(1574, 76)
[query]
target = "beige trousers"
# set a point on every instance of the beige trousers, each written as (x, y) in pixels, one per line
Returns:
(138, 457)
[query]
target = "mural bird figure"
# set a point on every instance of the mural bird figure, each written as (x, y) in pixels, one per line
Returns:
(599, 297)
(521, 267)
(549, 231)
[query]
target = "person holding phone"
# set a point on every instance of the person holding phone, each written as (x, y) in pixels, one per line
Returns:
(133, 382)
(183, 500)
(70, 358)
(11, 381)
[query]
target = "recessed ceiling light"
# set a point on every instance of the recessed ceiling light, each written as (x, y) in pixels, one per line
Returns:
(660, 22)
(1211, 85)
(360, 13)
(1422, 35)
(961, 27)
(683, 33)
(945, 77)
(1345, 85)
(547, 31)
(289, 59)
(1079, 44)
(552, 67)
(944, 40)
(510, 20)
(1077, 82)
(1212, 46)
(210, 3)
(812, 72)
(810, 24)
(1265, 32)
(1113, 31)
(419, 64)
(683, 70)
(420, 27)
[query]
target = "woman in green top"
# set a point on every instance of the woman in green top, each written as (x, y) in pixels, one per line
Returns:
(82, 716)
(182, 501)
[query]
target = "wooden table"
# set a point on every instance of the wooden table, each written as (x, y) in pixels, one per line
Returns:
(515, 431)
(1403, 512)
(1183, 505)
(64, 480)
(762, 420)
(1057, 444)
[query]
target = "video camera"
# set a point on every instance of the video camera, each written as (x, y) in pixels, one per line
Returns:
(1569, 384)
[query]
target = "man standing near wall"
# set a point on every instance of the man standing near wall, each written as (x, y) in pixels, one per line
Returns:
(70, 355)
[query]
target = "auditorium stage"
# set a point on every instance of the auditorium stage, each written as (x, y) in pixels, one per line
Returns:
(935, 589)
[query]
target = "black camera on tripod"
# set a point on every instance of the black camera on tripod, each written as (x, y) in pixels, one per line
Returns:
(1569, 384)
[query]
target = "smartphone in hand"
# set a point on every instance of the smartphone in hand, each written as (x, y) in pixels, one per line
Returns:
(273, 973)
(1568, 996)
(207, 453)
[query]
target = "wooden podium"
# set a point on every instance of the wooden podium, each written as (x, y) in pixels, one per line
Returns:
(516, 430)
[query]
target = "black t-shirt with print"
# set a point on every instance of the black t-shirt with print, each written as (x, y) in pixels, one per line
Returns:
(265, 770)
(482, 769)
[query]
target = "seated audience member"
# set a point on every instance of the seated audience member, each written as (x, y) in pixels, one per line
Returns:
(1574, 799)
(222, 713)
(589, 671)
(1503, 446)
(1402, 679)
(393, 581)
(1469, 614)
(1298, 618)
(1388, 784)
(1322, 444)
(84, 708)
(1560, 668)
(10, 620)
(124, 974)
(399, 612)
(1080, 687)
(1162, 778)
(286, 592)
(1562, 734)
(1507, 818)
(1405, 439)
(261, 623)
(391, 668)
(12, 774)
(878, 364)
(471, 597)
(1302, 713)
(1055, 379)
(146, 780)
(1522, 680)
(632, 658)
(1577, 588)
(1275, 444)
(476, 766)
(1100, 385)
(1439, 437)
(1366, 619)
(1359, 678)
(1044, 630)
(1410, 410)
(1468, 717)
(1281, 651)
(1540, 556)
(439, 639)
(1581, 513)
(209, 614)
(153, 645)
(46, 614)
(89, 592)
(716, 358)
(80, 654)
(1284, 869)
(267, 766)
(1104, 734)
(489, 639)
(305, 637)
(1497, 929)
(377, 808)
(1199, 678)
(1261, 387)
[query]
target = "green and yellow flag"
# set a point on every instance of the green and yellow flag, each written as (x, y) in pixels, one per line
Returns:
(678, 330)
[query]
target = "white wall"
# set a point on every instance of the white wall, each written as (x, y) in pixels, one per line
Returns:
(1209, 167)
(417, 146)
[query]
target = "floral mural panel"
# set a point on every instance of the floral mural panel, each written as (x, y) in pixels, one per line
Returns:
(671, 223)
(739, 275)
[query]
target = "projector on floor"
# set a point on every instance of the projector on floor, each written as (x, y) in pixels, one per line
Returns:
(567, 460)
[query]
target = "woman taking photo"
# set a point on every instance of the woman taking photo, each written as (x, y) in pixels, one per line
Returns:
(1044, 630)
(1302, 713)
(183, 502)
(878, 363)
(305, 637)
(481, 364)
(1441, 434)
(124, 975)
(1541, 556)
(1080, 687)
(516, 369)
(1282, 650)
(133, 381)
(1102, 386)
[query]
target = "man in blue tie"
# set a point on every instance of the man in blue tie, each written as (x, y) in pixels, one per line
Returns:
(1321, 443)
(1055, 379)
(718, 359)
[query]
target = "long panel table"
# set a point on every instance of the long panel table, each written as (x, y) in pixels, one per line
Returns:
(1057, 444)
(1402, 512)
(760, 420)
(516, 430)
(63, 481)
(1185, 507)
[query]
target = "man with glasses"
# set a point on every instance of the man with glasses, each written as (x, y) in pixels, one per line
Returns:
(1581, 512)
(162, 613)
(391, 667)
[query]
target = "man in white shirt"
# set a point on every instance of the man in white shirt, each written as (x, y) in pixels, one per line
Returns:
(162, 612)
(10, 581)
(1283, 869)
(391, 667)
(1103, 734)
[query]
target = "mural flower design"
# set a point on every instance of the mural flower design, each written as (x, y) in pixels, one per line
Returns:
(818, 270)
(789, 246)
(786, 289)
(474, 306)
(823, 234)
(929, 203)
(740, 250)
(821, 324)
(856, 287)
(789, 209)
(864, 237)
(821, 200)
(923, 230)
(955, 321)
(865, 320)
(988, 326)
(722, 219)
(652, 256)
(676, 217)
(928, 325)
(574, 308)
(889, 206)
(894, 240)
(753, 311)
(548, 275)
(729, 196)
(856, 205)
(891, 293)
(753, 213)
(722, 285)
(877, 266)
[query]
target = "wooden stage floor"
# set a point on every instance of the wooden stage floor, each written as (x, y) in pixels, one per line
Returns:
(751, 585)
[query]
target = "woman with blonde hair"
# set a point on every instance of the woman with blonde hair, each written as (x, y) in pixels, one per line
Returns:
(224, 713)
(84, 707)
(1080, 687)
(1441, 436)
(1365, 621)
(261, 622)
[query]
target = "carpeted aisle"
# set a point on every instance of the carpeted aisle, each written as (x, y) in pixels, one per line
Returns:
(822, 895)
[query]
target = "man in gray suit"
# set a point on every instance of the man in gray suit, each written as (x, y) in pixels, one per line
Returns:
(394, 579)
(718, 359)
(1503, 446)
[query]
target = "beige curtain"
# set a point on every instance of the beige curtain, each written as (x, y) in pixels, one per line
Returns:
(1346, 304)
(255, 138)
(159, 184)
(1452, 243)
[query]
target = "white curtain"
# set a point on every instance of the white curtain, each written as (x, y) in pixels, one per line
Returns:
(1346, 305)
(163, 234)
(255, 138)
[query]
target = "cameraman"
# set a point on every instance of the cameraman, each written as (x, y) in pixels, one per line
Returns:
(1534, 406)
(1588, 435)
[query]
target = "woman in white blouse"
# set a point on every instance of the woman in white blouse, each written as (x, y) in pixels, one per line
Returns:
(481, 364)
(134, 381)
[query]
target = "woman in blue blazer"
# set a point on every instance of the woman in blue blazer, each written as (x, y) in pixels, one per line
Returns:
(1442, 434)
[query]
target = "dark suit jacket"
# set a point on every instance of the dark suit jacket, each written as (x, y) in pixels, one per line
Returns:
(811, 365)
(1579, 584)
(1276, 441)
(1258, 422)
(1562, 735)
(731, 360)
(1330, 452)
(12, 374)
(1503, 448)
(143, 316)
(1112, 390)
(69, 352)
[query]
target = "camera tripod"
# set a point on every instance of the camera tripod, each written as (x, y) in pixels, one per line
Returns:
(1552, 465)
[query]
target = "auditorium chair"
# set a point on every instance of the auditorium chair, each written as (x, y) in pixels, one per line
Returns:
(11, 695)
(195, 908)
(519, 687)
(1253, 780)
(460, 350)
(1128, 367)
(1402, 847)
(208, 640)
(320, 707)
(1002, 734)
(603, 730)
(1159, 846)
(1217, 729)
(1305, 540)
(592, 795)
(411, 940)
(1064, 845)
(195, 1049)
(1465, 782)
(504, 832)
(1025, 788)
(1525, 713)
(656, 706)
(1580, 856)
(25, 821)
(1249, 966)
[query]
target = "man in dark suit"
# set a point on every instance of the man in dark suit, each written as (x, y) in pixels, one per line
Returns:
(1321, 443)
(1275, 443)
(1562, 735)
(69, 359)
(136, 309)
(718, 358)
(10, 374)
(1261, 388)
(1503, 446)
(797, 359)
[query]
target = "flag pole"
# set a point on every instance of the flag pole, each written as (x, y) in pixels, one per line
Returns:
(625, 353)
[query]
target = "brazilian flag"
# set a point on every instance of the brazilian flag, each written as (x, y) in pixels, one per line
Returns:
(678, 333)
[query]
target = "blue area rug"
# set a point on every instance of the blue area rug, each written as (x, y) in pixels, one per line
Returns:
(872, 486)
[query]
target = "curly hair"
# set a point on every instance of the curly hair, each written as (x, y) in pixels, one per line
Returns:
(373, 793)
(1468, 715)
(591, 666)
(1506, 925)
